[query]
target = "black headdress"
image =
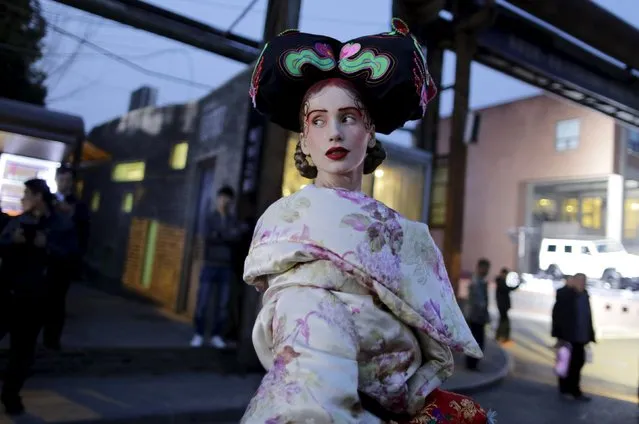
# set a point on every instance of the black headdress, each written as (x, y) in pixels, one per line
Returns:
(389, 71)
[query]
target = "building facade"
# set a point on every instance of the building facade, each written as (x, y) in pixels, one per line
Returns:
(541, 167)
(166, 165)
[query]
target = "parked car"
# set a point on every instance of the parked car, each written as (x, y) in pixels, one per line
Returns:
(603, 259)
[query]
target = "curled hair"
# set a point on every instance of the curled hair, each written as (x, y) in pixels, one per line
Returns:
(305, 169)
(374, 157)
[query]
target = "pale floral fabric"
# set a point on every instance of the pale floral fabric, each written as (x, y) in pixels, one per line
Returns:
(356, 298)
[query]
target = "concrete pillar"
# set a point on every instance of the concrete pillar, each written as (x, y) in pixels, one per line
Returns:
(614, 207)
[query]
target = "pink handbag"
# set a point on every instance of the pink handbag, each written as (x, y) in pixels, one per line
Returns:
(562, 360)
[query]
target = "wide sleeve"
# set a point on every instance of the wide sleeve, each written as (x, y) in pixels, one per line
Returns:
(313, 376)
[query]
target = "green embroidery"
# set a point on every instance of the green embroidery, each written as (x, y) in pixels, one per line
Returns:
(367, 60)
(295, 60)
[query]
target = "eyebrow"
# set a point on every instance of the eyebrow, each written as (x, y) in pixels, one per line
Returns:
(342, 109)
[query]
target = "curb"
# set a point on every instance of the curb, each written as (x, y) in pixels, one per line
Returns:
(226, 416)
(489, 381)
(229, 416)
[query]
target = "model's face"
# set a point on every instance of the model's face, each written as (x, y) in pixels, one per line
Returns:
(336, 132)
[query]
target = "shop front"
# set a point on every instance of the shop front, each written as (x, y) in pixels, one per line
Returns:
(580, 208)
(401, 182)
(33, 142)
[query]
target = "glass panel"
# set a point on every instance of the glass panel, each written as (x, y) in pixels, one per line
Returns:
(631, 218)
(367, 185)
(127, 203)
(95, 201)
(149, 254)
(591, 212)
(570, 210)
(401, 187)
(567, 135)
(292, 181)
(179, 156)
(438, 193)
(568, 128)
(633, 141)
(128, 172)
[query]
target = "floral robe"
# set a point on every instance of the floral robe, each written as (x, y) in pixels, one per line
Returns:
(356, 300)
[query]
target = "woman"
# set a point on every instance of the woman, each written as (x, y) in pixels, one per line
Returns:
(358, 316)
(30, 245)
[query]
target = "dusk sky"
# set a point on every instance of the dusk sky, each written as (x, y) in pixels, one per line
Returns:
(87, 83)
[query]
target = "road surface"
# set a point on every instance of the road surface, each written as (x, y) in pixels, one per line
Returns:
(529, 395)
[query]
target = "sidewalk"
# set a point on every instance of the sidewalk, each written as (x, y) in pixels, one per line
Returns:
(127, 362)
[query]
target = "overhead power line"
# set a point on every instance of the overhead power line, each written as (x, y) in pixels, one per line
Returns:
(129, 63)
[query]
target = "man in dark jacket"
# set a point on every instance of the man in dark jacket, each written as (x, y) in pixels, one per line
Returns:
(221, 232)
(502, 296)
(29, 244)
(64, 271)
(477, 315)
(572, 325)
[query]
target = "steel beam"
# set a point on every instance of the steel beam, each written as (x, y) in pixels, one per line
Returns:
(531, 53)
(590, 23)
(146, 17)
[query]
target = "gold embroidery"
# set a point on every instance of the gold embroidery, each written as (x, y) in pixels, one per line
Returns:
(466, 409)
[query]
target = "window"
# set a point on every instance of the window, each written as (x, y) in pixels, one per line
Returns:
(632, 141)
(570, 210)
(149, 254)
(552, 248)
(79, 188)
(292, 181)
(567, 135)
(400, 186)
(127, 203)
(438, 193)
(591, 210)
(631, 218)
(179, 156)
(567, 249)
(95, 201)
(585, 251)
(128, 172)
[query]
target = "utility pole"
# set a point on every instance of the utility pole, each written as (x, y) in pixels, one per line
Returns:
(281, 15)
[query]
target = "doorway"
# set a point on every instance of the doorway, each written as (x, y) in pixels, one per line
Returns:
(203, 204)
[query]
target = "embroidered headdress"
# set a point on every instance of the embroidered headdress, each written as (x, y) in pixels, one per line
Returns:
(388, 70)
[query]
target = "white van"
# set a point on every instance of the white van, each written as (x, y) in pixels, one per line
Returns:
(603, 259)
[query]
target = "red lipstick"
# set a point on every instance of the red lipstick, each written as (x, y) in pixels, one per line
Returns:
(337, 153)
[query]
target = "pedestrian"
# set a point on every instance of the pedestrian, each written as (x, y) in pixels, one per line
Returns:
(477, 311)
(221, 232)
(502, 295)
(572, 327)
(64, 271)
(29, 244)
